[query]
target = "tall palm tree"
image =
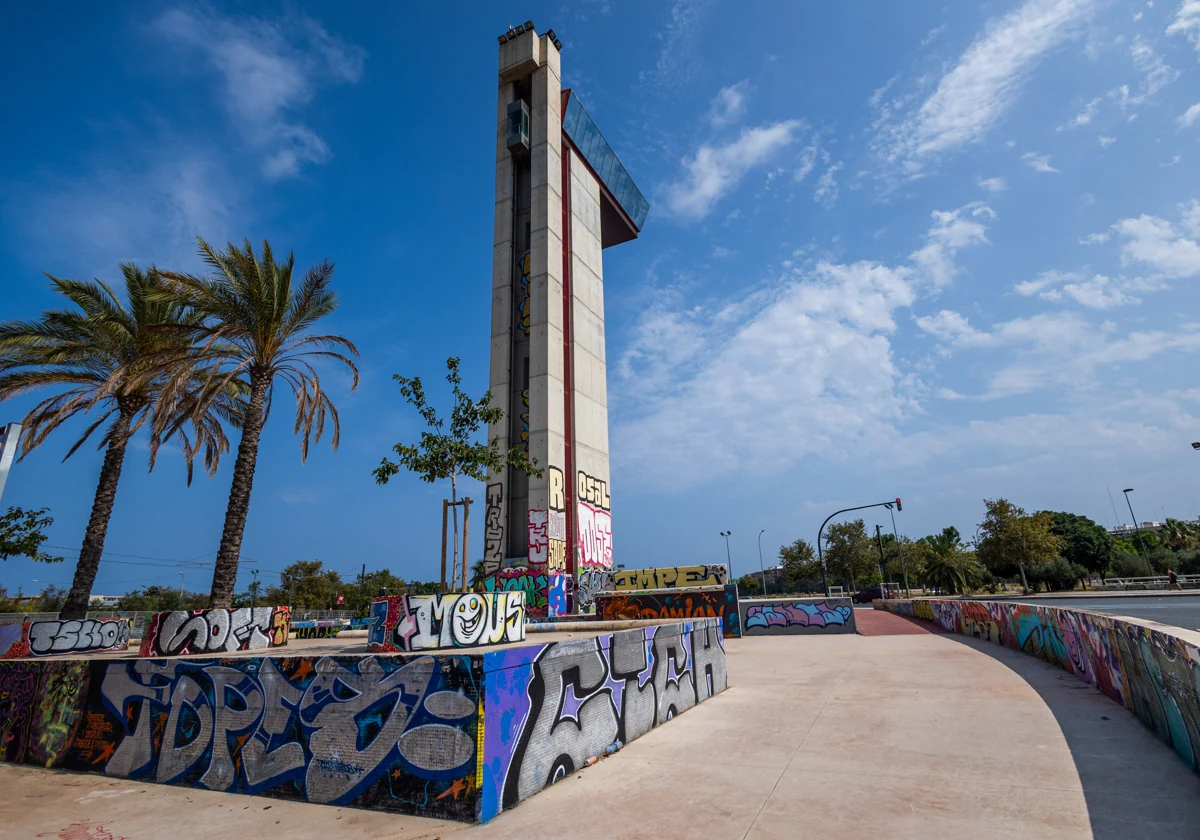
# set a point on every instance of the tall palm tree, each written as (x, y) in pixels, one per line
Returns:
(252, 322)
(102, 354)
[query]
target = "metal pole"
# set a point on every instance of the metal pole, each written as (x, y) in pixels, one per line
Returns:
(181, 588)
(445, 510)
(821, 554)
(903, 562)
(728, 558)
(1137, 531)
(882, 576)
(253, 588)
(466, 528)
(760, 562)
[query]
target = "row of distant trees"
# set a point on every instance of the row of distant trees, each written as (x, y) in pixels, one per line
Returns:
(1051, 550)
(180, 359)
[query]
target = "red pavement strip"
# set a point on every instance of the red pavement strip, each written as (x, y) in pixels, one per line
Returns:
(880, 623)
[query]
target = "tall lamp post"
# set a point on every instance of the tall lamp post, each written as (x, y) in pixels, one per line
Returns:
(896, 537)
(728, 559)
(181, 590)
(1136, 529)
(820, 551)
(761, 570)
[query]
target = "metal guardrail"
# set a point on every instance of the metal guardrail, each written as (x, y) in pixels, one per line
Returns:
(1148, 582)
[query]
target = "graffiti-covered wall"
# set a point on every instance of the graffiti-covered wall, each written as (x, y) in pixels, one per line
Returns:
(533, 581)
(669, 577)
(780, 616)
(52, 637)
(453, 735)
(428, 622)
(713, 602)
(1151, 672)
(549, 708)
(393, 734)
(324, 629)
(187, 632)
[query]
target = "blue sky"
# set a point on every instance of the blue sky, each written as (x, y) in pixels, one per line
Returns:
(943, 252)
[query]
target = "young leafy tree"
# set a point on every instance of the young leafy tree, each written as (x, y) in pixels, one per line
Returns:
(448, 453)
(22, 533)
(112, 358)
(251, 321)
(799, 561)
(1013, 540)
(848, 550)
(306, 584)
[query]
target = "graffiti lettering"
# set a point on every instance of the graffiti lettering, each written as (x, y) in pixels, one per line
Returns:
(539, 538)
(427, 622)
(46, 637)
(523, 297)
(669, 577)
(558, 496)
(595, 537)
(587, 583)
(835, 615)
(560, 594)
(317, 629)
(594, 491)
(183, 632)
(673, 603)
(525, 420)
(493, 533)
(587, 697)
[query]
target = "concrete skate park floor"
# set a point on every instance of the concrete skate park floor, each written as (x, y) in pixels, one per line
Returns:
(907, 736)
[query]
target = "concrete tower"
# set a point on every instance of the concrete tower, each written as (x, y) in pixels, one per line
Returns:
(561, 197)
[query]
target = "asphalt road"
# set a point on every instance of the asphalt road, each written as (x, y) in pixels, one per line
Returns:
(1180, 611)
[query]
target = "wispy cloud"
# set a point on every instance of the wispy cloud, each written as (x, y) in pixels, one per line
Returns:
(270, 70)
(677, 62)
(716, 170)
(1084, 117)
(981, 87)
(1156, 75)
(994, 185)
(827, 189)
(1038, 162)
(729, 105)
(1189, 116)
(1095, 292)
(933, 34)
(1105, 142)
(1187, 22)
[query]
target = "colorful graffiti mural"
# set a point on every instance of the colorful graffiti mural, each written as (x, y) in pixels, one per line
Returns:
(673, 603)
(317, 629)
(669, 577)
(561, 595)
(453, 735)
(551, 708)
(429, 622)
(1152, 673)
(385, 733)
(533, 581)
(797, 616)
(588, 583)
(188, 632)
(52, 637)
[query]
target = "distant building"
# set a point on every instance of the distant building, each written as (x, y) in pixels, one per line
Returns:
(1129, 530)
(103, 601)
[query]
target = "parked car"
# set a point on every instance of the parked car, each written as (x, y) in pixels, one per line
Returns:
(866, 596)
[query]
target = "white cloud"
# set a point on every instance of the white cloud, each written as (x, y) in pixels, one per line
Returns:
(270, 70)
(1093, 239)
(1084, 117)
(729, 105)
(973, 96)
(808, 158)
(1155, 242)
(1187, 22)
(948, 326)
(720, 252)
(827, 189)
(1038, 162)
(715, 171)
(993, 184)
(804, 367)
(933, 34)
(1042, 281)
(1105, 142)
(1096, 292)
(1190, 115)
(1157, 74)
(677, 62)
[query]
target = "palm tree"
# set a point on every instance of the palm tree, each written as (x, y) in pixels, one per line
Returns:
(104, 355)
(253, 323)
(478, 575)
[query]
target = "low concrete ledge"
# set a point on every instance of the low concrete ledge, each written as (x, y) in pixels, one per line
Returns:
(453, 735)
(1151, 669)
(796, 616)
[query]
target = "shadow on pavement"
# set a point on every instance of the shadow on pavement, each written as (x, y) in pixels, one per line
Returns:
(1133, 783)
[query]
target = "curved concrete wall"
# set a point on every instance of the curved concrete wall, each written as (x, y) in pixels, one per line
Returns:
(1150, 669)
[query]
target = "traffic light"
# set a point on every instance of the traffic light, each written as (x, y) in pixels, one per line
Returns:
(898, 505)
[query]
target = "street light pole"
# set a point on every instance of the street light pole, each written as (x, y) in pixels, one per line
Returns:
(728, 558)
(761, 570)
(181, 589)
(882, 576)
(821, 553)
(1137, 530)
(903, 562)
(253, 588)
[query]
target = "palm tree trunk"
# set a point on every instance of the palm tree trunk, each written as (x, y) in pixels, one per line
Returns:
(76, 605)
(225, 573)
